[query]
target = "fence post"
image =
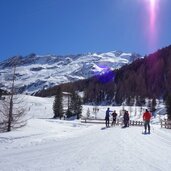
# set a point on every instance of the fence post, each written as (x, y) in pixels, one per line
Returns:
(165, 123)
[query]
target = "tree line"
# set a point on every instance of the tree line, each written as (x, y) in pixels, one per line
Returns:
(74, 106)
(149, 77)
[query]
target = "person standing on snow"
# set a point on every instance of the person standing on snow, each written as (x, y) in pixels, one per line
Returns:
(114, 115)
(126, 119)
(107, 117)
(146, 118)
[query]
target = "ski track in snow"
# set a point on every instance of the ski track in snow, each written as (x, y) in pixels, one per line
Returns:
(57, 145)
(112, 149)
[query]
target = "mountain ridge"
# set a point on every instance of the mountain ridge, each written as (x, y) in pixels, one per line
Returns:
(37, 72)
(148, 77)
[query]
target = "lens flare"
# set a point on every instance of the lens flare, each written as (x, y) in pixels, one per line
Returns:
(152, 15)
(152, 23)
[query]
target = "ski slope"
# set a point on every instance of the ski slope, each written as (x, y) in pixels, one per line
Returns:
(46, 144)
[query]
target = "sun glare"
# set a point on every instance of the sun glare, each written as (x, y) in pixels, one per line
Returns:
(152, 3)
(152, 21)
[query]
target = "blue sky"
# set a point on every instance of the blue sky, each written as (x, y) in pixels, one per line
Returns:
(80, 26)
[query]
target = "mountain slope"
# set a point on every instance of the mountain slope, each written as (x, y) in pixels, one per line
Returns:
(148, 77)
(35, 72)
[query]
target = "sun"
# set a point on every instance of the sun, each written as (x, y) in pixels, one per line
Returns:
(152, 3)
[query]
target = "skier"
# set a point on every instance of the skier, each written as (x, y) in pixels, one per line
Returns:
(146, 118)
(114, 115)
(126, 119)
(107, 117)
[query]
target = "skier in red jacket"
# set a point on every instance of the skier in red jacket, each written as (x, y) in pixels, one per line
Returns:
(146, 117)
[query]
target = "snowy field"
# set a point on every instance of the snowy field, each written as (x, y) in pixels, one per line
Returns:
(45, 144)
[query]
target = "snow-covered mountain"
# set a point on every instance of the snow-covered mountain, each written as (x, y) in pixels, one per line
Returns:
(35, 72)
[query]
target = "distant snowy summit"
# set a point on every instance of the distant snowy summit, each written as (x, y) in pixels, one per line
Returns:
(35, 72)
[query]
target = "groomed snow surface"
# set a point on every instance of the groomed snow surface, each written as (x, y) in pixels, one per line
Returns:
(56, 145)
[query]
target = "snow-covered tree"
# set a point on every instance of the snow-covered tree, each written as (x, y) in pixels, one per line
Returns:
(130, 110)
(135, 111)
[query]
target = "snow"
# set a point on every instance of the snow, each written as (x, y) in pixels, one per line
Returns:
(59, 145)
(38, 72)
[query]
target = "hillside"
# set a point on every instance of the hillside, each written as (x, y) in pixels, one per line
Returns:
(147, 77)
(35, 72)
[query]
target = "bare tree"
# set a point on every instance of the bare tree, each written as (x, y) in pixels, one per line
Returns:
(11, 113)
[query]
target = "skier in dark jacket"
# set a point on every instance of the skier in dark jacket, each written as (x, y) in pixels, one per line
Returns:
(114, 115)
(107, 117)
(126, 119)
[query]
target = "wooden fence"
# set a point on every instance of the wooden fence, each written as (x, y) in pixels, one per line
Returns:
(118, 122)
(165, 123)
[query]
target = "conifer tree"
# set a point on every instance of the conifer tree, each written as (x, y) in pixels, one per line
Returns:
(153, 105)
(168, 106)
(0, 93)
(69, 113)
(76, 104)
(58, 105)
